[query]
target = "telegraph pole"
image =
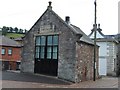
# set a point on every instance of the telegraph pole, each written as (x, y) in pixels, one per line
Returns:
(95, 29)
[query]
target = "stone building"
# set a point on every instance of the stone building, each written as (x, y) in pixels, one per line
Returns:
(108, 52)
(55, 47)
(118, 55)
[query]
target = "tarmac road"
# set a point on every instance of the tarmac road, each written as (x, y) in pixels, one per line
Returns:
(11, 79)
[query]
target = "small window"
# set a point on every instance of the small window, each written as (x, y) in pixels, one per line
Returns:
(42, 52)
(37, 40)
(49, 40)
(37, 52)
(49, 50)
(55, 40)
(43, 38)
(9, 51)
(3, 51)
(55, 52)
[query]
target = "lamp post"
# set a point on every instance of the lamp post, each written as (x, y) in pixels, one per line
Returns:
(95, 29)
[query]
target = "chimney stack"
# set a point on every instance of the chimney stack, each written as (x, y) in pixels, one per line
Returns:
(67, 19)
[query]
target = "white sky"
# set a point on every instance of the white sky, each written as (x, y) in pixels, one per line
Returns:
(24, 13)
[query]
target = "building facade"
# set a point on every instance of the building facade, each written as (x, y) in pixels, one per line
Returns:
(118, 54)
(55, 47)
(10, 54)
(107, 52)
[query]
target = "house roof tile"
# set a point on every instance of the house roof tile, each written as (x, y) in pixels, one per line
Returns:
(5, 41)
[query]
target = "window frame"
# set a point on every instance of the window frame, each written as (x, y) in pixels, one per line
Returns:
(8, 51)
(3, 52)
(46, 46)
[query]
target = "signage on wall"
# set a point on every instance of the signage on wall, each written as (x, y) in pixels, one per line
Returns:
(47, 28)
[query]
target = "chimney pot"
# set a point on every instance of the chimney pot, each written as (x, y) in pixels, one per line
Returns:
(50, 7)
(67, 19)
(50, 3)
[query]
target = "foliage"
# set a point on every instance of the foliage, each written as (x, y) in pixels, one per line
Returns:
(6, 30)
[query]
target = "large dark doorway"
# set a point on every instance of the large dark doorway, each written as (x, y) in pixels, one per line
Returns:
(46, 55)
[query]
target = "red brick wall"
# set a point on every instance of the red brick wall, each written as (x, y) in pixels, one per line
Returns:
(15, 56)
(85, 57)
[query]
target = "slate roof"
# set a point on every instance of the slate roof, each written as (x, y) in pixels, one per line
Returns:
(76, 31)
(18, 39)
(5, 41)
(109, 38)
(84, 37)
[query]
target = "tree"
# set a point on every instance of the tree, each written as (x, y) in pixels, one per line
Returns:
(16, 30)
(10, 29)
(4, 30)
(25, 31)
(20, 30)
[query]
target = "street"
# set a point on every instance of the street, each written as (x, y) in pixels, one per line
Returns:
(23, 80)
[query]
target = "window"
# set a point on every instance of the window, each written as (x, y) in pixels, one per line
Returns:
(3, 51)
(55, 40)
(49, 40)
(37, 52)
(9, 51)
(46, 47)
(49, 52)
(52, 46)
(43, 39)
(42, 52)
(37, 40)
(55, 50)
(40, 47)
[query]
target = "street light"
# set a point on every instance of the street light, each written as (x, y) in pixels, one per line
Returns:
(95, 29)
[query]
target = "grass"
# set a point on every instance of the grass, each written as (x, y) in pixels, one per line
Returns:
(14, 35)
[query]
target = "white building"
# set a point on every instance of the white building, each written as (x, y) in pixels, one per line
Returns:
(107, 52)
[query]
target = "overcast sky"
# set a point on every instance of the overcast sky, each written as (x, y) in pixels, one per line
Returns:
(24, 13)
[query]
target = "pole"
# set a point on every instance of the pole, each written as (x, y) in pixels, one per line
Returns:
(95, 29)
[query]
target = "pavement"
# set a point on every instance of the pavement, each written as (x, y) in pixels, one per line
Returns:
(15, 79)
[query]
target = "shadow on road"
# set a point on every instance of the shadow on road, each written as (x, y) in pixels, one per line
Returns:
(24, 77)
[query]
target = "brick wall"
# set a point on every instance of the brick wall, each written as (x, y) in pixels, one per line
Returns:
(85, 57)
(15, 56)
(11, 59)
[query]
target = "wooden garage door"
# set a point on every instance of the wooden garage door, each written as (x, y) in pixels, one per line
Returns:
(46, 55)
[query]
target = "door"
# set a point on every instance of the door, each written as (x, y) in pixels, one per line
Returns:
(102, 66)
(46, 55)
(5, 65)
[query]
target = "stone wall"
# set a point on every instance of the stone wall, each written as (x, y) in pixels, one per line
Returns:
(66, 60)
(85, 59)
(66, 63)
(70, 66)
(111, 58)
(118, 62)
(118, 56)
